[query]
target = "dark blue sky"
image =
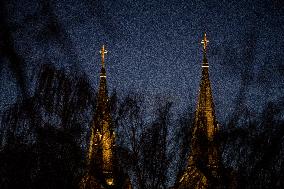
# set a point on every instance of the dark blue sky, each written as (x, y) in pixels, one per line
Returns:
(154, 46)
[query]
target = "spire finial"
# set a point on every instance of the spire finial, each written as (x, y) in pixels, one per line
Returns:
(103, 51)
(204, 42)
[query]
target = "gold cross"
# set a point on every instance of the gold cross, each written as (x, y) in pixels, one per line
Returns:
(204, 42)
(103, 51)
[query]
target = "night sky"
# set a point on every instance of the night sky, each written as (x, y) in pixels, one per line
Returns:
(154, 47)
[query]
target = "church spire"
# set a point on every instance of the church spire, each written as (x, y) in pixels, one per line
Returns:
(204, 158)
(102, 170)
(205, 104)
(100, 154)
(205, 167)
(205, 123)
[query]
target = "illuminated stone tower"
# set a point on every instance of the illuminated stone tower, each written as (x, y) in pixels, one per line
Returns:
(203, 169)
(102, 169)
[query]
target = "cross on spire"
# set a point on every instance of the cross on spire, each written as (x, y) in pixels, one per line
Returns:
(204, 42)
(103, 51)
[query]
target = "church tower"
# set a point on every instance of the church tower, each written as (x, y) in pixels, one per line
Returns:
(100, 169)
(103, 171)
(102, 134)
(205, 128)
(203, 169)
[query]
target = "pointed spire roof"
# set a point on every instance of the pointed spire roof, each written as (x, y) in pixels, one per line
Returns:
(204, 160)
(102, 109)
(205, 113)
(102, 163)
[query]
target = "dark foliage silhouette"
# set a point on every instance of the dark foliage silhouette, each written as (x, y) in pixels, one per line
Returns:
(44, 133)
(45, 136)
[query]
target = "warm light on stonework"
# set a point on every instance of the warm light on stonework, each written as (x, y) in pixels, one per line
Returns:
(107, 154)
(110, 181)
(102, 138)
(205, 125)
